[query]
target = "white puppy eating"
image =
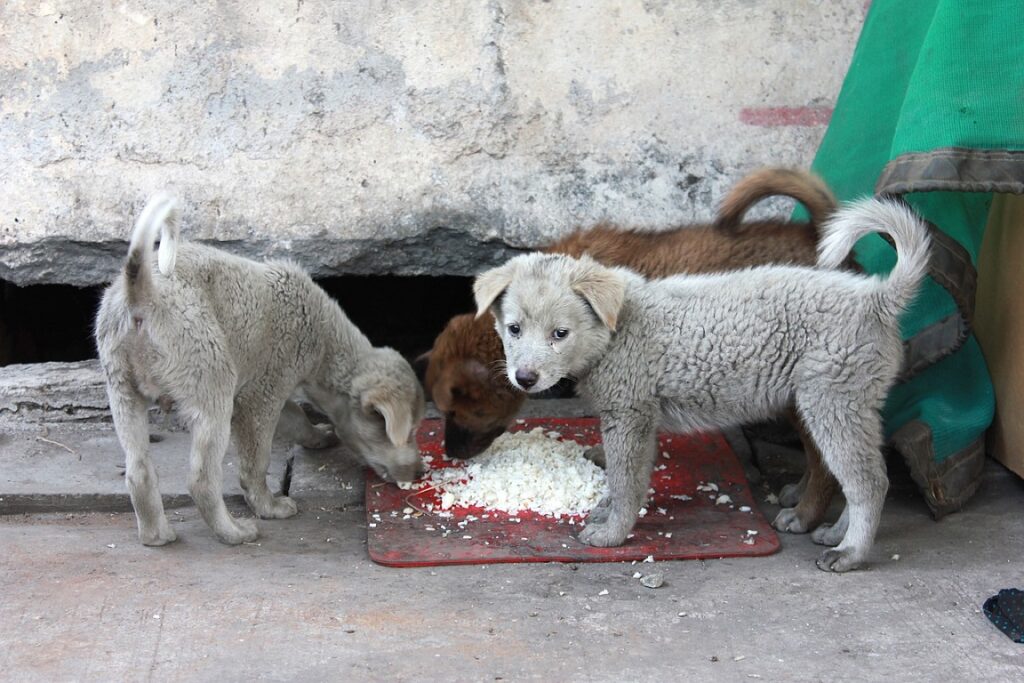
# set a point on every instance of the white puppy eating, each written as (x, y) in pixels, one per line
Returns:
(699, 352)
(228, 340)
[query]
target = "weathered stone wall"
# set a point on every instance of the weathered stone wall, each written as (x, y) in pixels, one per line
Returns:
(402, 136)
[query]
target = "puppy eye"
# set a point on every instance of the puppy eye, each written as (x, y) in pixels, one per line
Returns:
(513, 329)
(560, 333)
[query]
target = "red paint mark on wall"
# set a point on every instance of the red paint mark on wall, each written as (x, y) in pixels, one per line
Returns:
(772, 117)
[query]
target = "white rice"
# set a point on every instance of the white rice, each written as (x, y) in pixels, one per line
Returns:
(524, 471)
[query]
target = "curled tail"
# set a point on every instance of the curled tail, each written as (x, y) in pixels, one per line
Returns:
(160, 215)
(908, 233)
(805, 187)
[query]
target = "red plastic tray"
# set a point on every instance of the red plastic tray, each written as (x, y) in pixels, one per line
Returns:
(687, 529)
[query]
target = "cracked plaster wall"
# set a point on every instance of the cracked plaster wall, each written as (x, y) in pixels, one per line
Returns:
(394, 137)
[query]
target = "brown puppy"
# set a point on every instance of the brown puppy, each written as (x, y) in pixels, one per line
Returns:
(465, 373)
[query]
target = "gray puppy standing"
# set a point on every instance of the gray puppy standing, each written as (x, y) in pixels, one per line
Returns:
(228, 340)
(698, 352)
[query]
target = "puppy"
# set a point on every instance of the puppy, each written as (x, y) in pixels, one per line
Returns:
(706, 351)
(228, 340)
(464, 368)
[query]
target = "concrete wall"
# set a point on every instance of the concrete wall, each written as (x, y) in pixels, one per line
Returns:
(404, 137)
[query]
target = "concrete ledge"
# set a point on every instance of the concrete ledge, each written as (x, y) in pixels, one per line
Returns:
(60, 452)
(52, 393)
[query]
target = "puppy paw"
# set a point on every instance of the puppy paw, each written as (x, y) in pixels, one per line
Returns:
(836, 560)
(602, 534)
(790, 522)
(828, 534)
(281, 507)
(244, 531)
(162, 536)
(790, 494)
(320, 436)
(599, 513)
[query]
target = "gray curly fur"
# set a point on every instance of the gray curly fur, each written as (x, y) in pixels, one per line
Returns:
(229, 340)
(694, 352)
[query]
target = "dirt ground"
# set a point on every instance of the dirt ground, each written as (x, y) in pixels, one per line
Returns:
(84, 601)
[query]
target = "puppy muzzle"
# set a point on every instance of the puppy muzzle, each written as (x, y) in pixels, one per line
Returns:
(464, 443)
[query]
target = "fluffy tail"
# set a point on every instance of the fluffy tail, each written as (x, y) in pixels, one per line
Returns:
(806, 188)
(908, 233)
(160, 215)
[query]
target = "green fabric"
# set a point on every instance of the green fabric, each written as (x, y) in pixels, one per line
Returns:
(927, 75)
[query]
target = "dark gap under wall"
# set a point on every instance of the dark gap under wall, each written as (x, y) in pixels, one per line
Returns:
(41, 323)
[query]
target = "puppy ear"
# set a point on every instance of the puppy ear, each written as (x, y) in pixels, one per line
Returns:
(397, 414)
(489, 285)
(603, 288)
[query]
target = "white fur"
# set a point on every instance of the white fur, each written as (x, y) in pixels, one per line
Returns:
(228, 340)
(706, 351)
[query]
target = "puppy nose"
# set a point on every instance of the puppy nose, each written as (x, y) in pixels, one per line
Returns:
(526, 378)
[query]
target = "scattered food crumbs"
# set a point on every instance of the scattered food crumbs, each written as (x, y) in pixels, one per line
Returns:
(707, 487)
(744, 508)
(643, 512)
(668, 534)
(373, 525)
(604, 592)
(561, 593)
(662, 511)
(637, 575)
(723, 499)
(771, 499)
(748, 541)
(407, 511)
(655, 580)
(649, 558)
(111, 545)
(467, 537)
(534, 470)
(751, 532)
(896, 557)
(682, 614)
(682, 496)
(665, 455)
